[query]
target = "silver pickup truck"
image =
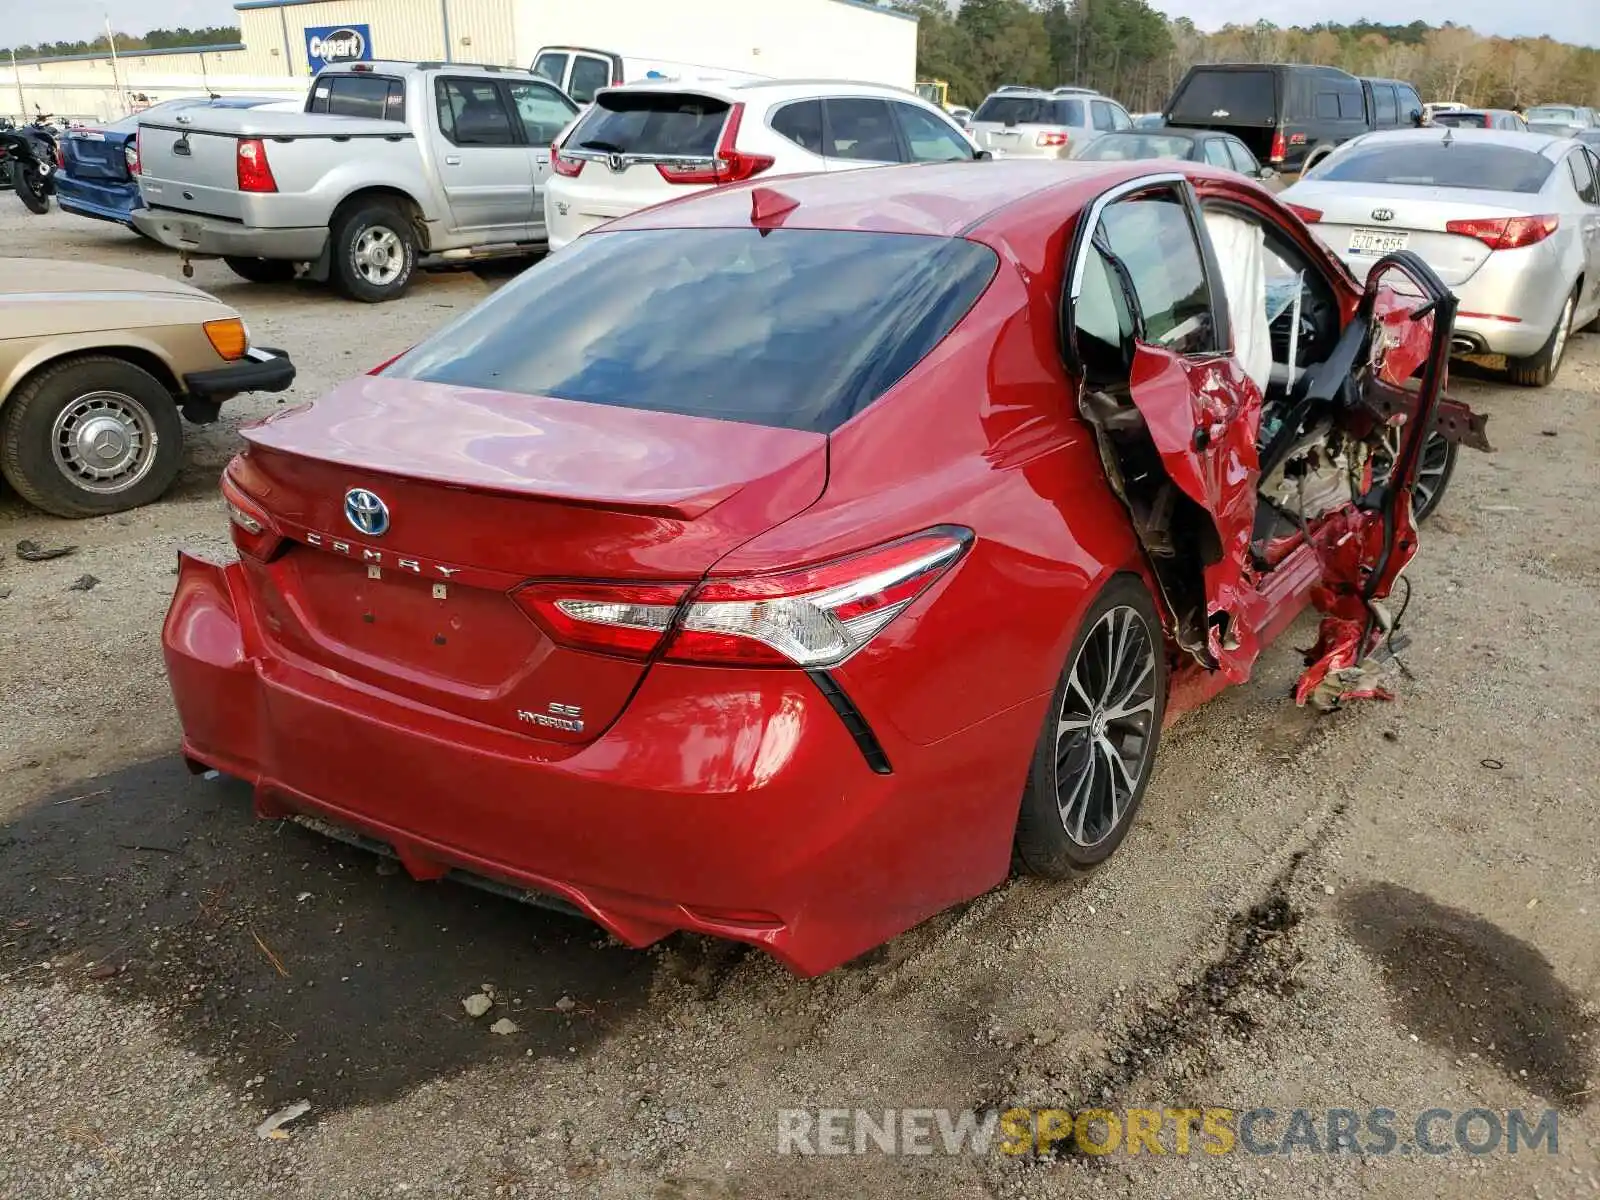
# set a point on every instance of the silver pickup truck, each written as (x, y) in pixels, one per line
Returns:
(390, 163)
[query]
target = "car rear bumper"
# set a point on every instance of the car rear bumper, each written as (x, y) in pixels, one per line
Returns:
(730, 803)
(102, 201)
(214, 237)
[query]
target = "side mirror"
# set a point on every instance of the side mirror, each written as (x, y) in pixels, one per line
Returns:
(982, 156)
(1416, 116)
(1267, 174)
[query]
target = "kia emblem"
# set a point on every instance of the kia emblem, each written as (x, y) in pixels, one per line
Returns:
(1383, 214)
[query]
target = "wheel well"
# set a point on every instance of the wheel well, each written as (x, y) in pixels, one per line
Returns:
(137, 356)
(394, 196)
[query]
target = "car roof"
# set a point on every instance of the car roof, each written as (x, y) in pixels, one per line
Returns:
(1538, 143)
(772, 90)
(939, 199)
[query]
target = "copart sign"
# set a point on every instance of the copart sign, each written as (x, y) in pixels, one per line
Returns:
(329, 44)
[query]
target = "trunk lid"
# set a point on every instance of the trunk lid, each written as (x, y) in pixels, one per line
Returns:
(95, 154)
(484, 491)
(1361, 226)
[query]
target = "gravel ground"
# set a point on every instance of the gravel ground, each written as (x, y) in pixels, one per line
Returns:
(1392, 907)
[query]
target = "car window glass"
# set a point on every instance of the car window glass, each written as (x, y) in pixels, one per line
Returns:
(359, 96)
(1101, 322)
(1216, 154)
(929, 138)
(1243, 97)
(1153, 239)
(861, 130)
(1384, 102)
(472, 114)
(1128, 147)
(1030, 110)
(1120, 119)
(1327, 106)
(1351, 106)
(1437, 164)
(801, 123)
(651, 122)
(1243, 161)
(1102, 115)
(1410, 103)
(544, 112)
(792, 328)
(589, 75)
(1583, 177)
(552, 67)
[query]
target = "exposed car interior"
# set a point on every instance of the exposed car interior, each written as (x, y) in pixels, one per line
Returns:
(1150, 276)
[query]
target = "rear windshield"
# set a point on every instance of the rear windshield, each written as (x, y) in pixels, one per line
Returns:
(1123, 147)
(1460, 164)
(1551, 127)
(1249, 97)
(1030, 110)
(799, 329)
(359, 96)
(651, 123)
(1461, 120)
(1553, 112)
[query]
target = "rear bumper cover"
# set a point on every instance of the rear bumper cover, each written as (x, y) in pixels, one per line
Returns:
(261, 370)
(196, 233)
(730, 803)
(102, 201)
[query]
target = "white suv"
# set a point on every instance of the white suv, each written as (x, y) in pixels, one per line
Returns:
(645, 143)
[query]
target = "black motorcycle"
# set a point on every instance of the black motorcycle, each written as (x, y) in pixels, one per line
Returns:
(31, 151)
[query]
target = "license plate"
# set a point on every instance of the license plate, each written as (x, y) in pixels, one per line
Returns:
(1377, 241)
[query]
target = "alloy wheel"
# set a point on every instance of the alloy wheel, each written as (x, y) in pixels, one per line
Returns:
(104, 442)
(1433, 472)
(1104, 732)
(378, 255)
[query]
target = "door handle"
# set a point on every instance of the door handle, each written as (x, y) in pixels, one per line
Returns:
(452, 160)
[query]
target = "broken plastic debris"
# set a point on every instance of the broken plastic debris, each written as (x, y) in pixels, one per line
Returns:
(477, 1004)
(504, 1025)
(271, 1130)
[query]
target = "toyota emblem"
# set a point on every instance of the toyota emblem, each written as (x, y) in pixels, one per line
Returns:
(1383, 214)
(366, 511)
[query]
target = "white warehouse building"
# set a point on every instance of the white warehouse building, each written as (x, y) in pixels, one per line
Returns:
(283, 42)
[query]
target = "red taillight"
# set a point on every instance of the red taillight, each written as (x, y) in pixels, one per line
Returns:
(132, 152)
(567, 167)
(1278, 148)
(812, 617)
(622, 619)
(254, 171)
(252, 529)
(61, 154)
(1309, 215)
(1506, 233)
(1052, 139)
(728, 164)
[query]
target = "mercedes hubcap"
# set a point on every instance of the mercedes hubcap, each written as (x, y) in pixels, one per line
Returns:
(104, 442)
(1105, 729)
(378, 255)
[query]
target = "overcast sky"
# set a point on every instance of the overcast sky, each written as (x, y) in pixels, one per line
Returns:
(1568, 20)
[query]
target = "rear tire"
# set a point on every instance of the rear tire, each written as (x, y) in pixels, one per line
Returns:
(261, 270)
(32, 187)
(90, 436)
(1098, 746)
(1539, 370)
(374, 252)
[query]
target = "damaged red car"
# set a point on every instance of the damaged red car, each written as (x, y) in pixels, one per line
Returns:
(780, 563)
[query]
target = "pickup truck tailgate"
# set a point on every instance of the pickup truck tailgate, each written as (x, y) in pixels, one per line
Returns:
(190, 169)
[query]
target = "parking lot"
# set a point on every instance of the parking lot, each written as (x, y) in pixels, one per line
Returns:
(1392, 906)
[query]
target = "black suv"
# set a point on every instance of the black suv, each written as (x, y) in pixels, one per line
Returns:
(1289, 114)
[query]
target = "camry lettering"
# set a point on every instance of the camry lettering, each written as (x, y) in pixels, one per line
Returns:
(378, 558)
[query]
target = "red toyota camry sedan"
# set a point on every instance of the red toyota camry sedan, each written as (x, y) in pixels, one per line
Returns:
(780, 563)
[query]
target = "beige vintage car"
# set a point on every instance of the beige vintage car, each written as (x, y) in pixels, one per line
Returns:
(96, 364)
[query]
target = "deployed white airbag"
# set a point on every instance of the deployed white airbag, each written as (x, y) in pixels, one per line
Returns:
(1241, 255)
